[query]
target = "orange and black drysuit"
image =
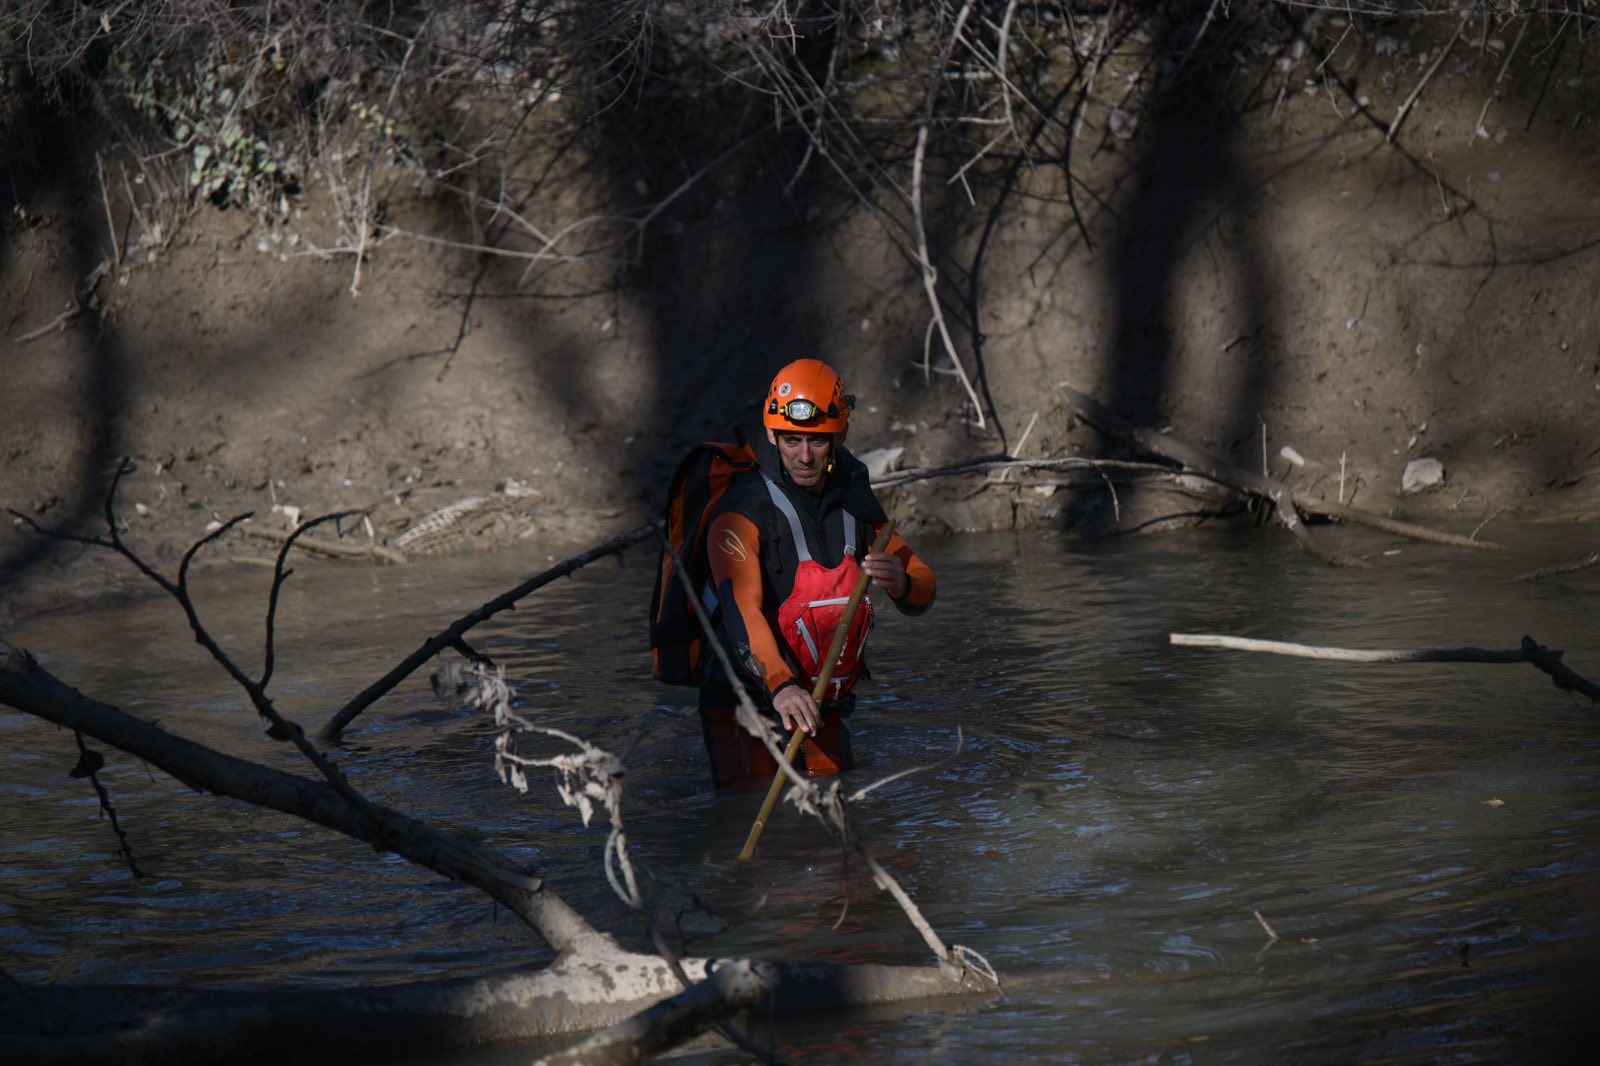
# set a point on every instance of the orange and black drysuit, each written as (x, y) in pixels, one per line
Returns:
(783, 561)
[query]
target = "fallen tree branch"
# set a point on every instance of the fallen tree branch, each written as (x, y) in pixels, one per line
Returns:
(30, 688)
(449, 635)
(592, 983)
(55, 325)
(1345, 513)
(83, 299)
(87, 1025)
(731, 987)
(1592, 559)
(1186, 455)
(1530, 652)
(985, 465)
(1278, 493)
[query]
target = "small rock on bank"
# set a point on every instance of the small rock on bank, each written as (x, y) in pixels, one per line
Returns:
(1422, 474)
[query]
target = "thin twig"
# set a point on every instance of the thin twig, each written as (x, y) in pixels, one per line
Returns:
(1592, 559)
(1271, 932)
(930, 274)
(443, 639)
(55, 325)
(1405, 107)
(111, 222)
(318, 546)
(89, 764)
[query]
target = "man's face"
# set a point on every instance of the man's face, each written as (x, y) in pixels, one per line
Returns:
(805, 456)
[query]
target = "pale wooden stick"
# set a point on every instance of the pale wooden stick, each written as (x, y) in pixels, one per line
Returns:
(1347, 655)
(1530, 652)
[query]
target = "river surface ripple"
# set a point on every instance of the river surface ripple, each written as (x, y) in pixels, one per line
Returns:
(1123, 821)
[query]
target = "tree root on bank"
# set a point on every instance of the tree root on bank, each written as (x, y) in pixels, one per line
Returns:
(1530, 652)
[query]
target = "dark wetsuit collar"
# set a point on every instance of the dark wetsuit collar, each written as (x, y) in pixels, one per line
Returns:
(849, 483)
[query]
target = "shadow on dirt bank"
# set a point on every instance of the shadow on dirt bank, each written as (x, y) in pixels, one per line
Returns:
(43, 156)
(1188, 168)
(1248, 254)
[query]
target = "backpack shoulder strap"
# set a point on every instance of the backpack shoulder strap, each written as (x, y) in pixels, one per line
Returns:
(785, 506)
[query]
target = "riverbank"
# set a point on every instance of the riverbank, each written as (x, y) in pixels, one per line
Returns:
(1265, 269)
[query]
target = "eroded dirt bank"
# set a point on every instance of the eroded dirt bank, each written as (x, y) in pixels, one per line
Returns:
(1253, 276)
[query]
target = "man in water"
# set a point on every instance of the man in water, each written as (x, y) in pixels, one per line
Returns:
(786, 548)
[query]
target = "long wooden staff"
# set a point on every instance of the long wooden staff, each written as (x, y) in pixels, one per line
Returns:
(839, 636)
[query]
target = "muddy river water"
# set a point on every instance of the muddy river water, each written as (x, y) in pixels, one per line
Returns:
(1121, 825)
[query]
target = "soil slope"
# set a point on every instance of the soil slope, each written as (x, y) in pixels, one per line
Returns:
(1285, 275)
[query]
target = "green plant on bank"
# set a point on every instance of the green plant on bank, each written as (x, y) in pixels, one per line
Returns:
(490, 102)
(209, 119)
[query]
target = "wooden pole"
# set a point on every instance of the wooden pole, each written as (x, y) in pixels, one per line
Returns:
(839, 635)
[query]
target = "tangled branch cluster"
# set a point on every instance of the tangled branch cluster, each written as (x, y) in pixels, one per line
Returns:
(262, 97)
(587, 777)
(906, 111)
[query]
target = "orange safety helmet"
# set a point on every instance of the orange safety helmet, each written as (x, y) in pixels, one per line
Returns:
(808, 396)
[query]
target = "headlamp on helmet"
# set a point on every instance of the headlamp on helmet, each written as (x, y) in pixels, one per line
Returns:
(808, 396)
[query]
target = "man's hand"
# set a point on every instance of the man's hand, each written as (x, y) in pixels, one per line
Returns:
(797, 709)
(887, 572)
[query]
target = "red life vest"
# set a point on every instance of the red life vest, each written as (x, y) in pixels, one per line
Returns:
(809, 619)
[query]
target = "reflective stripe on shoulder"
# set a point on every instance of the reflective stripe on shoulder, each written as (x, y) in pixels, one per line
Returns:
(786, 508)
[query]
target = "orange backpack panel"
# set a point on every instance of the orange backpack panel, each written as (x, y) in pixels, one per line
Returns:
(677, 643)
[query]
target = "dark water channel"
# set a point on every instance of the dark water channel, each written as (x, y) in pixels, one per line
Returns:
(1424, 839)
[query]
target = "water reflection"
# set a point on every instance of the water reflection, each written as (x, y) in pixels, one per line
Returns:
(1119, 811)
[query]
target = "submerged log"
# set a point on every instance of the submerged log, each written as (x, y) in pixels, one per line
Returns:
(128, 1024)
